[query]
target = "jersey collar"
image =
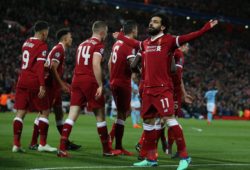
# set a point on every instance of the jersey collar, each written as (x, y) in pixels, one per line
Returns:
(153, 38)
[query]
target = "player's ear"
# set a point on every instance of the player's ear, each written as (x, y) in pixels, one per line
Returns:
(163, 28)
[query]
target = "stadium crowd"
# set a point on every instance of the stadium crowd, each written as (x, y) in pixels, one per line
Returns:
(218, 59)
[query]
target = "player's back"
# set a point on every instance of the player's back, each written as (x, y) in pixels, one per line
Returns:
(210, 96)
(84, 58)
(33, 50)
(120, 68)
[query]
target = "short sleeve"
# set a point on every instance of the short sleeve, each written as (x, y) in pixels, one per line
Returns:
(99, 48)
(43, 52)
(131, 53)
(57, 55)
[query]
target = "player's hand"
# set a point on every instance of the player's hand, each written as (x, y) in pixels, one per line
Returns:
(42, 92)
(213, 23)
(66, 88)
(115, 34)
(188, 98)
(98, 93)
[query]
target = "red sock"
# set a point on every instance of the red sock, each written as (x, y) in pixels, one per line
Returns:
(35, 133)
(43, 129)
(67, 127)
(142, 138)
(119, 131)
(112, 132)
(59, 125)
(149, 145)
(104, 137)
(170, 137)
(17, 130)
(180, 141)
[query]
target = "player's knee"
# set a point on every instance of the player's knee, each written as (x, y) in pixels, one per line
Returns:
(21, 113)
(149, 121)
(45, 113)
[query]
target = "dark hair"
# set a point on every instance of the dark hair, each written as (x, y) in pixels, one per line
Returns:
(98, 25)
(60, 33)
(128, 26)
(164, 20)
(41, 25)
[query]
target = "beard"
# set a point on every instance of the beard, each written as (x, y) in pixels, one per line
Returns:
(153, 31)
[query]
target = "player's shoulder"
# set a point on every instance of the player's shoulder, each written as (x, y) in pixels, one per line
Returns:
(168, 37)
(58, 47)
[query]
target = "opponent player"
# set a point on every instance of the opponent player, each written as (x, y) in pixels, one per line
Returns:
(120, 82)
(30, 90)
(87, 87)
(157, 95)
(55, 84)
(210, 96)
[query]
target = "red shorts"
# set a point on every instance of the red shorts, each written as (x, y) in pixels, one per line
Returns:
(157, 105)
(122, 97)
(83, 92)
(55, 96)
(27, 99)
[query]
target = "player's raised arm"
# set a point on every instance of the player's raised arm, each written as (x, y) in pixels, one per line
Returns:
(193, 35)
(129, 41)
(97, 58)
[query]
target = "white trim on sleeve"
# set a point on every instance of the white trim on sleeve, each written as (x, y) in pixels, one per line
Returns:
(178, 65)
(98, 53)
(177, 41)
(130, 56)
(42, 59)
(53, 59)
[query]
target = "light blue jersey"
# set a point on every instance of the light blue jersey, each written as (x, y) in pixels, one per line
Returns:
(135, 96)
(210, 96)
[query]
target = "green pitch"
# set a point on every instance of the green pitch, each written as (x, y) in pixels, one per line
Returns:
(222, 145)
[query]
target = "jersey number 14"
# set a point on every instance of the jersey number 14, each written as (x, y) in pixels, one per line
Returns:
(83, 51)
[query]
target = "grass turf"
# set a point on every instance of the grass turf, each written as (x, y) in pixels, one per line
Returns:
(222, 145)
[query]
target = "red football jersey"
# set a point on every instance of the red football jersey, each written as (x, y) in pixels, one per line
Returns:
(34, 54)
(120, 68)
(157, 58)
(57, 54)
(84, 57)
(179, 62)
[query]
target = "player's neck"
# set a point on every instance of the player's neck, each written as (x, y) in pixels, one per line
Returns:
(97, 36)
(63, 44)
(38, 36)
(154, 37)
(129, 35)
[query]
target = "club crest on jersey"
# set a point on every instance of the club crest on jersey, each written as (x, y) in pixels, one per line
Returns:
(57, 54)
(158, 48)
(44, 53)
(101, 50)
